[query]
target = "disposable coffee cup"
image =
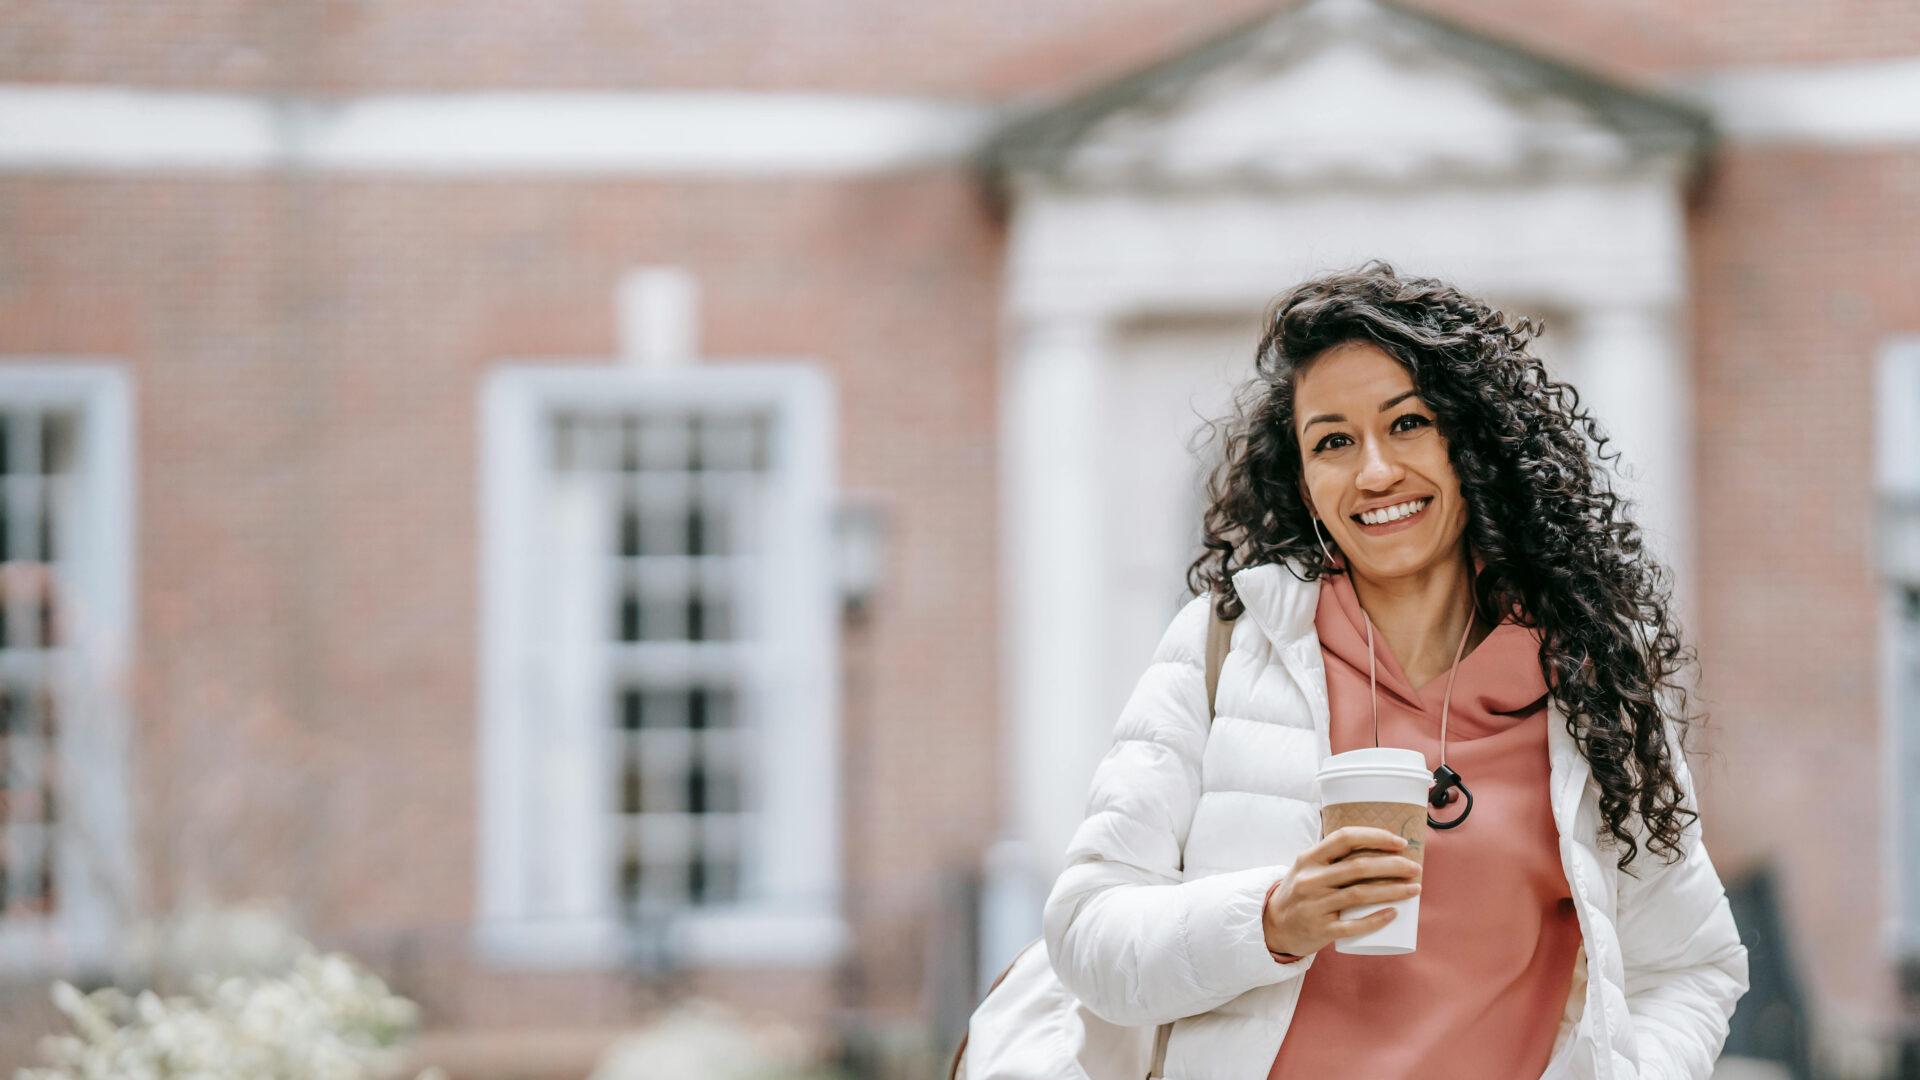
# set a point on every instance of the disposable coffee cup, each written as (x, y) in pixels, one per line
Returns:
(1384, 787)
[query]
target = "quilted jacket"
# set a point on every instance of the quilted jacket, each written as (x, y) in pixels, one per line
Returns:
(1157, 915)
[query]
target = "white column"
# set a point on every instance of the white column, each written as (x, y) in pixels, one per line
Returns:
(1636, 376)
(1052, 386)
(1897, 559)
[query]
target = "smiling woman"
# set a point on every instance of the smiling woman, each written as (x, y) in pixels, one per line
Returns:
(1401, 463)
(1373, 389)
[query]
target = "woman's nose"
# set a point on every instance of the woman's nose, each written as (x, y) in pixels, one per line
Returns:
(1379, 469)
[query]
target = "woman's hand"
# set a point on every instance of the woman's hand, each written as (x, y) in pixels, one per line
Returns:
(1303, 911)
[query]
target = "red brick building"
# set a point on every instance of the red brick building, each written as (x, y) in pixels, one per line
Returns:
(585, 500)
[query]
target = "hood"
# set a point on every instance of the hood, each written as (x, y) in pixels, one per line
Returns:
(1283, 606)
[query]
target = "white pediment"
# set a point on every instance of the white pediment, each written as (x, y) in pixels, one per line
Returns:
(1350, 90)
(1347, 111)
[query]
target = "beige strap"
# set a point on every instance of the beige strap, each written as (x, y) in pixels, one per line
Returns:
(1159, 1067)
(1219, 635)
(1219, 639)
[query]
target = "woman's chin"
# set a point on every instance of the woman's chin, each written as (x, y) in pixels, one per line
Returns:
(1413, 560)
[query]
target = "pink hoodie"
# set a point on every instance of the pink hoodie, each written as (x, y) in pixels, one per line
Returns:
(1483, 994)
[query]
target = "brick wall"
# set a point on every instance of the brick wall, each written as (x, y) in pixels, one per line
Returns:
(307, 360)
(307, 353)
(1802, 266)
(992, 48)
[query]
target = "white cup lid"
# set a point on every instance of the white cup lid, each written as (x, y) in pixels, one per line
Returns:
(1377, 761)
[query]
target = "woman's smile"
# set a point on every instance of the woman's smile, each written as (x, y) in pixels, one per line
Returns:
(1398, 525)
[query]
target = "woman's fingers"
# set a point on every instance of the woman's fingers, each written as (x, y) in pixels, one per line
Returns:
(1348, 839)
(1346, 928)
(1367, 868)
(1355, 895)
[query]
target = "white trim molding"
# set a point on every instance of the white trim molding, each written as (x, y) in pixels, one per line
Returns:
(1852, 104)
(108, 128)
(113, 128)
(557, 833)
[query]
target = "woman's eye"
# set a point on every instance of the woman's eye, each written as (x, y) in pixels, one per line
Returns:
(1418, 421)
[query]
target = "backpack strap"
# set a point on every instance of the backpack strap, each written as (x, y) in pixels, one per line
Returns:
(1219, 638)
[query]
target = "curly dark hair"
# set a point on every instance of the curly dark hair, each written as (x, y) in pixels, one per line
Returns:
(1560, 556)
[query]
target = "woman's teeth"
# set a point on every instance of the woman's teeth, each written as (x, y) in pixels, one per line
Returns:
(1393, 513)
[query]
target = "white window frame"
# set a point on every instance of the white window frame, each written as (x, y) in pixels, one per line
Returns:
(1897, 546)
(93, 868)
(547, 890)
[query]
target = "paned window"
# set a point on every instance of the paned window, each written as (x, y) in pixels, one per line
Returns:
(659, 759)
(64, 603)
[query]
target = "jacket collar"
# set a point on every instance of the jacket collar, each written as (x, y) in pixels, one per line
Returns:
(1280, 601)
(1283, 605)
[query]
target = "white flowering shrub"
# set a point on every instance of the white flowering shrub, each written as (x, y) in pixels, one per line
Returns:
(320, 1018)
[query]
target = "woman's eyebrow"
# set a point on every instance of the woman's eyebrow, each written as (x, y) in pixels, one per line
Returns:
(1337, 417)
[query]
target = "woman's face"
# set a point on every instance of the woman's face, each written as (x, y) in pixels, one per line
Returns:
(1367, 442)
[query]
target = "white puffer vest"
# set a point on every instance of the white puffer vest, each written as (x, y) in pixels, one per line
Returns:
(1157, 916)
